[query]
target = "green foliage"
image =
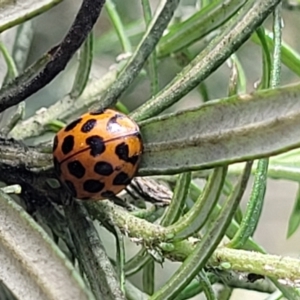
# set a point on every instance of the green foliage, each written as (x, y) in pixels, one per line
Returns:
(201, 158)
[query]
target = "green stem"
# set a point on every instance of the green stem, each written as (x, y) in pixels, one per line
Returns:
(137, 262)
(290, 57)
(204, 249)
(210, 17)
(206, 286)
(118, 25)
(265, 82)
(136, 62)
(277, 31)
(175, 208)
(262, 264)
(149, 277)
(84, 67)
(91, 254)
(196, 217)
(254, 207)
(153, 74)
(233, 35)
(255, 204)
(120, 255)
(12, 71)
(16, 18)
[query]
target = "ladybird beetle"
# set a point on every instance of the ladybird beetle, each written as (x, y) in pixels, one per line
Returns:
(98, 154)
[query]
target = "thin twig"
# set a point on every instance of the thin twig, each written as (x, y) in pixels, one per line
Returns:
(59, 57)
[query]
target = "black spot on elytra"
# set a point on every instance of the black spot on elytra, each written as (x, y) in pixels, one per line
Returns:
(108, 194)
(113, 125)
(97, 112)
(56, 166)
(93, 186)
(96, 144)
(88, 125)
(103, 168)
(55, 143)
(122, 151)
(71, 188)
(133, 159)
(76, 169)
(68, 144)
(121, 179)
(72, 124)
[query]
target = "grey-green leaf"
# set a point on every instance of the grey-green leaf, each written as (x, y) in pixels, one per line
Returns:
(32, 266)
(223, 131)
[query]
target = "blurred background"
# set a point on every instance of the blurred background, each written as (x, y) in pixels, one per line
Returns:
(50, 28)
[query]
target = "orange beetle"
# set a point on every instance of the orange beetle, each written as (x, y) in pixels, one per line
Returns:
(98, 154)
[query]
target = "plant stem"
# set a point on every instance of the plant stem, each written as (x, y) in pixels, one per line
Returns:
(233, 35)
(118, 25)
